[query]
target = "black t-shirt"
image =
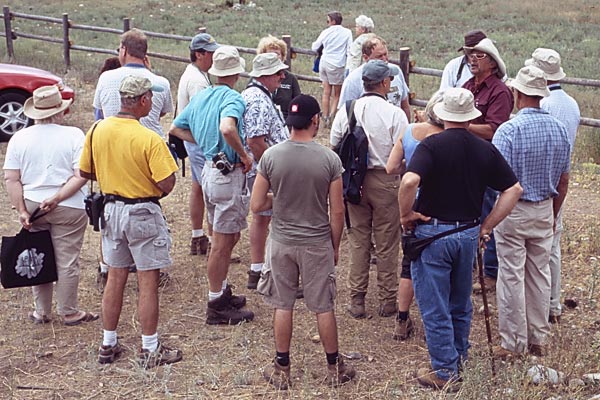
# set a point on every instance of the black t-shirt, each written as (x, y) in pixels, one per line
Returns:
(455, 167)
(286, 92)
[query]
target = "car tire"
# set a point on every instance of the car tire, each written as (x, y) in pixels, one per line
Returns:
(12, 117)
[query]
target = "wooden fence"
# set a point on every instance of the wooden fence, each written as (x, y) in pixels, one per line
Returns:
(408, 67)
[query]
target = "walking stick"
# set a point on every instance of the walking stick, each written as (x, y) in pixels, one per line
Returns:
(486, 309)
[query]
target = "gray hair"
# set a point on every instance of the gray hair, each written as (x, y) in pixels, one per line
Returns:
(437, 97)
(365, 22)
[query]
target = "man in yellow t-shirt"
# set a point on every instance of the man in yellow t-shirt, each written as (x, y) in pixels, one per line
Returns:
(134, 168)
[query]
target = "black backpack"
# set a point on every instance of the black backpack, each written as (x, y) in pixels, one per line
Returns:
(353, 150)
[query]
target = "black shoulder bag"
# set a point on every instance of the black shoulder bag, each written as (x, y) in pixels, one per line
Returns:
(94, 202)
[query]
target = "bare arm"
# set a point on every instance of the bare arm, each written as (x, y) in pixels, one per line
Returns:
(14, 187)
(563, 185)
(258, 145)
(336, 215)
(484, 131)
(71, 187)
(261, 199)
(406, 198)
(228, 128)
(504, 205)
(167, 184)
(183, 134)
(395, 164)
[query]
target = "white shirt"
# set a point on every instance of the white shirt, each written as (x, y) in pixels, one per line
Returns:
(353, 88)
(355, 57)
(450, 74)
(46, 157)
(107, 96)
(382, 122)
(191, 82)
(564, 108)
(336, 41)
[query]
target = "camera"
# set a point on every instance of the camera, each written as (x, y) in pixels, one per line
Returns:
(94, 207)
(222, 163)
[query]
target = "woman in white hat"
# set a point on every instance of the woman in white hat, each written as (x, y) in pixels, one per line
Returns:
(41, 169)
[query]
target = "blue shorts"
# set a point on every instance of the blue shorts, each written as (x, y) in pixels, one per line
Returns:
(197, 159)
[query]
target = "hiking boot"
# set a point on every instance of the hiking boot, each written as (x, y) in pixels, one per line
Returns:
(428, 378)
(278, 375)
(163, 279)
(503, 354)
(162, 355)
(253, 278)
(403, 329)
(538, 350)
(221, 312)
(388, 310)
(340, 373)
(236, 302)
(101, 279)
(199, 245)
(488, 281)
(108, 354)
(356, 309)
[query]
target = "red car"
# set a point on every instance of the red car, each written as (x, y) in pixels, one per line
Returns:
(17, 83)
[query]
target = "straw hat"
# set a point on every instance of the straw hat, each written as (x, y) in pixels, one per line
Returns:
(457, 106)
(487, 46)
(530, 81)
(547, 60)
(266, 64)
(45, 102)
(227, 62)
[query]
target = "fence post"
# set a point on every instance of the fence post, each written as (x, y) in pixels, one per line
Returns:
(405, 63)
(66, 41)
(126, 24)
(288, 57)
(9, 34)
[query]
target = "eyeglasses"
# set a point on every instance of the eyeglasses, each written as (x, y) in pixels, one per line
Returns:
(477, 56)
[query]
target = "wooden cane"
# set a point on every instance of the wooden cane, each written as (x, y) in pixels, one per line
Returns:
(486, 309)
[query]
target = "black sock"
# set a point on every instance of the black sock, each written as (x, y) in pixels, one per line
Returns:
(402, 315)
(332, 358)
(283, 359)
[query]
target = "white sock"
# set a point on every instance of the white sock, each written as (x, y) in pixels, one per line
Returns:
(197, 233)
(214, 295)
(103, 267)
(256, 267)
(110, 338)
(150, 343)
(224, 285)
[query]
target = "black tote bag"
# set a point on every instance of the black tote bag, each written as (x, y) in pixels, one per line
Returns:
(27, 259)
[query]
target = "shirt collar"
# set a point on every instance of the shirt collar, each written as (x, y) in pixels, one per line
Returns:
(134, 65)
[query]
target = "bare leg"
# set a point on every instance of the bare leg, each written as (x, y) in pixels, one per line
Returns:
(259, 229)
(196, 206)
(219, 258)
(328, 331)
(112, 299)
(325, 98)
(148, 301)
(282, 328)
(335, 98)
(405, 294)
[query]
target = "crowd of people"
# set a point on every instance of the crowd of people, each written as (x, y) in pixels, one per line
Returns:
(463, 172)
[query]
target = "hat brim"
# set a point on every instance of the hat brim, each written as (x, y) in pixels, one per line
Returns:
(267, 72)
(444, 115)
(229, 71)
(210, 47)
(35, 113)
(557, 76)
(488, 48)
(529, 91)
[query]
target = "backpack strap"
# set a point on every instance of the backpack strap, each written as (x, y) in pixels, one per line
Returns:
(463, 62)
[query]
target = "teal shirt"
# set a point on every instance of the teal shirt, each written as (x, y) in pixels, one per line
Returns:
(203, 115)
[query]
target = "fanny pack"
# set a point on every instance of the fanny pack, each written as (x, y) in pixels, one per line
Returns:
(412, 247)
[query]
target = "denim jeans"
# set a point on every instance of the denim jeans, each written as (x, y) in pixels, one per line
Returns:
(442, 283)
(490, 259)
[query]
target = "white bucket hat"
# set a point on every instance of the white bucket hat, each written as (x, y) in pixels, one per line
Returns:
(487, 46)
(547, 60)
(266, 64)
(45, 102)
(457, 106)
(530, 81)
(227, 62)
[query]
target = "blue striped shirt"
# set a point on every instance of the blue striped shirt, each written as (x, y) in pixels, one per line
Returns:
(564, 108)
(537, 148)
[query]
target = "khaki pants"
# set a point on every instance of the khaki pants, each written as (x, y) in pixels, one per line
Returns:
(523, 242)
(67, 228)
(376, 216)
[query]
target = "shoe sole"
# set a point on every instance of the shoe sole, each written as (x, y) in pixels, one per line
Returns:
(109, 359)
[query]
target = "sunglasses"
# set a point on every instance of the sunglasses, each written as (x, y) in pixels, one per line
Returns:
(477, 56)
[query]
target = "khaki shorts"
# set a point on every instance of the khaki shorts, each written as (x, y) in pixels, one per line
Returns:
(135, 234)
(330, 73)
(284, 264)
(226, 199)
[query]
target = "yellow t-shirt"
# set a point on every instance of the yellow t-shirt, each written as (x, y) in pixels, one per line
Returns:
(128, 158)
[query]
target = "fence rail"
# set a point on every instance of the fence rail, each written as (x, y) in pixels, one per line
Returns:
(408, 67)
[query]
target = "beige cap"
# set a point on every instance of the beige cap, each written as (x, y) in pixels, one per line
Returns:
(227, 62)
(457, 106)
(487, 46)
(547, 60)
(45, 102)
(266, 64)
(531, 81)
(134, 86)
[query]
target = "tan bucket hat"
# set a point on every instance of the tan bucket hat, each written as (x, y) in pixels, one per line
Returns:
(530, 81)
(487, 46)
(227, 62)
(547, 60)
(457, 106)
(45, 102)
(266, 64)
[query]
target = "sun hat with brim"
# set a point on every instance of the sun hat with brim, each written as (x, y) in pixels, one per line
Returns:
(203, 41)
(227, 62)
(45, 102)
(266, 64)
(378, 70)
(134, 86)
(472, 38)
(457, 106)
(302, 109)
(487, 46)
(530, 81)
(547, 60)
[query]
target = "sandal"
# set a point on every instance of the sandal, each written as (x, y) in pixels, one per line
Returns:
(36, 320)
(85, 317)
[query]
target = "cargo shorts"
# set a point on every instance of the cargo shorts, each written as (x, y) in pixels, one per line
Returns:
(226, 199)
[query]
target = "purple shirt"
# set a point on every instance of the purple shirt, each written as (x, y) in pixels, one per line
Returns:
(493, 98)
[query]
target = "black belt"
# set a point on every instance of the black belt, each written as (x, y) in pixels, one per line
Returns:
(435, 221)
(111, 198)
(533, 201)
